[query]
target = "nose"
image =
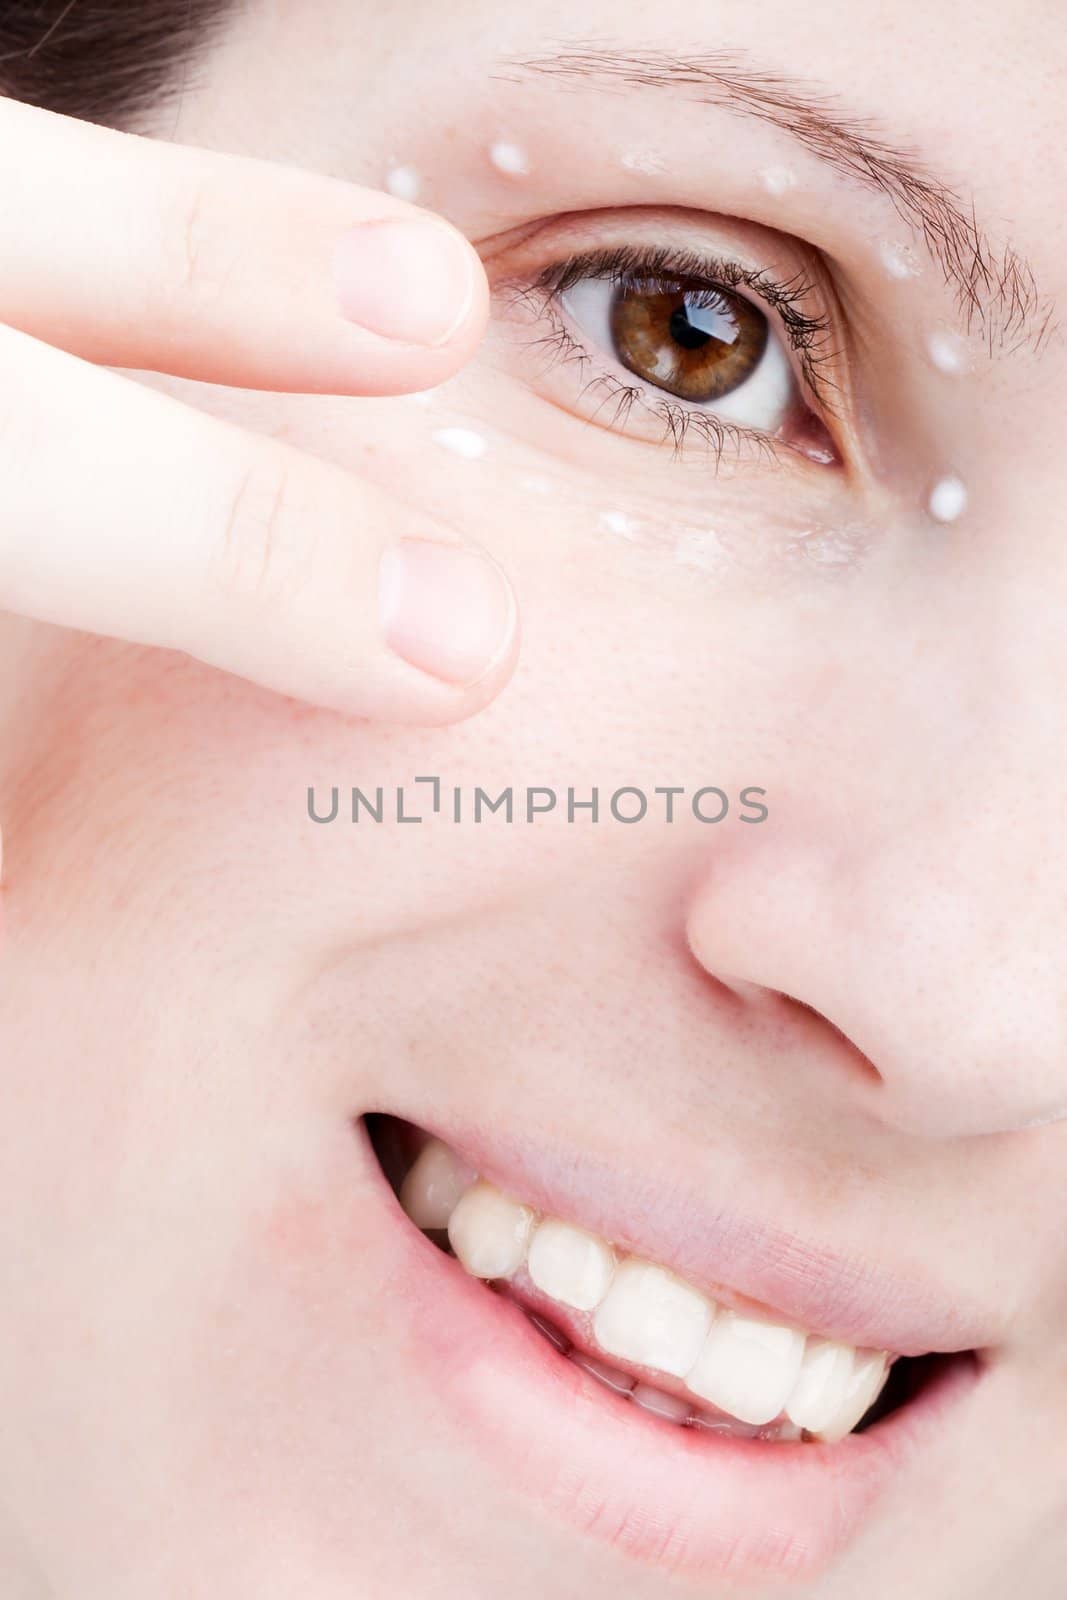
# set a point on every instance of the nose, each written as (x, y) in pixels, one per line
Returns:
(912, 890)
(960, 1014)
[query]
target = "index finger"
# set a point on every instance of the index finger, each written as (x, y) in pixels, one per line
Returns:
(137, 254)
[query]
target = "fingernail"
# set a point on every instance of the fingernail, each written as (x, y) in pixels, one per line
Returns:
(411, 279)
(446, 609)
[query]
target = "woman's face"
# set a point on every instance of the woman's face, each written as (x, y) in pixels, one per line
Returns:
(804, 537)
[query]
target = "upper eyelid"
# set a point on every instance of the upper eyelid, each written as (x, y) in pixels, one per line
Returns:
(996, 285)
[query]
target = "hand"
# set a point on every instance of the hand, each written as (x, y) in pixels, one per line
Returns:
(125, 513)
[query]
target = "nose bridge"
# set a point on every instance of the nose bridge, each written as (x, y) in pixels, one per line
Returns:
(925, 917)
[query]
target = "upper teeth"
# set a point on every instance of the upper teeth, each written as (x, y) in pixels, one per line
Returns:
(743, 1364)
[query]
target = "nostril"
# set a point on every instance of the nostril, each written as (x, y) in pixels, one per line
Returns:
(802, 1026)
(855, 1056)
(945, 1013)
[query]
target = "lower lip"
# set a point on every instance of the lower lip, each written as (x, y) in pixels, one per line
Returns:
(681, 1500)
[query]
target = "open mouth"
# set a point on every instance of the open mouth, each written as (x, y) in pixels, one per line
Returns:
(753, 1392)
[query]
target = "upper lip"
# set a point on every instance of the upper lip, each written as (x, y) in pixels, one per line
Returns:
(731, 1256)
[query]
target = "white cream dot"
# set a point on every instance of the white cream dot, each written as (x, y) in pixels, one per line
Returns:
(898, 259)
(1046, 1117)
(403, 183)
(700, 548)
(509, 158)
(462, 442)
(535, 485)
(776, 180)
(618, 522)
(947, 352)
(646, 161)
(948, 500)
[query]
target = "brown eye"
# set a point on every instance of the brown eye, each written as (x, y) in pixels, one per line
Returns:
(698, 342)
(695, 345)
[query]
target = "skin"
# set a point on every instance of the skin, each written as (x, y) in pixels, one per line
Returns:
(206, 1368)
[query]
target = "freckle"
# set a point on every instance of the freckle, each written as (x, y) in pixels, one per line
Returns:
(646, 161)
(462, 442)
(618, 522)
(403, 183)
(776, 180)
(948, 500)
(947, 352)
(509, 158)
(898, 259)
(535, 486)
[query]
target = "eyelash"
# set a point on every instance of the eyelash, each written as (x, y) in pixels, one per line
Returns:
(640, 268)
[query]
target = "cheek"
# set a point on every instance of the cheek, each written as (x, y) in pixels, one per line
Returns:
(302, 1292)
(299, 1380)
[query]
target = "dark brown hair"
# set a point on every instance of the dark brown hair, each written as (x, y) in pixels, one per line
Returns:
(106, 61)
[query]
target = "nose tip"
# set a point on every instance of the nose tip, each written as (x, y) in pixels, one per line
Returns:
(952, 999)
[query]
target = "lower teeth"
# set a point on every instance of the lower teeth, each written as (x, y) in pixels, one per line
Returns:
(670, 1408)
(617, 1382)
(549, 1331)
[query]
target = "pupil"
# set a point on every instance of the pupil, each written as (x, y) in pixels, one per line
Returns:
(693, 326)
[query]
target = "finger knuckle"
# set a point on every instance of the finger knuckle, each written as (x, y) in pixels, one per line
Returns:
(193, 247)
(265, 553)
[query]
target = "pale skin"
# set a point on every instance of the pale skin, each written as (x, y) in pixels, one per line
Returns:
(206, 1369)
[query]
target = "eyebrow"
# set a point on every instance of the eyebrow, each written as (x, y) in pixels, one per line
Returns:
(997, 293)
